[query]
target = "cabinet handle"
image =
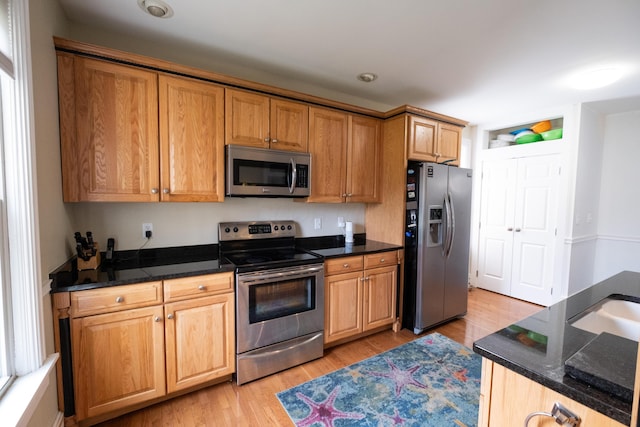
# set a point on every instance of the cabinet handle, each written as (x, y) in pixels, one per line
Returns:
(119, 299)
(344, 194)
(170, 316)
(345, 265)
(274, 140)
(381, 259)
(509, 228)
(202, 288)
(157, 319)
(166, 190)
(154, 191)
(517, 230)
(266, 139)
(350, 194)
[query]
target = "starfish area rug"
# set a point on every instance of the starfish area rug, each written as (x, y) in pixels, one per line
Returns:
(431, 381)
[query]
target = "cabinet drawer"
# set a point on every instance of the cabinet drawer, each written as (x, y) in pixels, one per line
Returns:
(381, 259)
(189, 287)
(115, 298)
(342, 265)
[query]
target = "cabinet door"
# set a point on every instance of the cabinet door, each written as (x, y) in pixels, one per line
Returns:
(449, 140)
(422, 139)
(343, 306)
(363, 160)
(380, 297)
(513, 397)
(200, 340)
(246, 119)
(109, 131)
(328, 135)
(191, 140)
(289, 126)
(118, 360)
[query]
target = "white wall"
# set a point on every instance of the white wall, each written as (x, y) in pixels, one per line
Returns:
(178, 224)
(618, 246)
(583, 230)
(46, 19)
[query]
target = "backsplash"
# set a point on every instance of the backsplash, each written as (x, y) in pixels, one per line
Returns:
(179, 224)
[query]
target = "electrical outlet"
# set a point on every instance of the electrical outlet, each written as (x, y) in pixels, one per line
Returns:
(317, 223)
(147, 226)
(341, 222)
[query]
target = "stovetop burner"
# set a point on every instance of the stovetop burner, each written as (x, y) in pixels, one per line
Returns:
(261, 244)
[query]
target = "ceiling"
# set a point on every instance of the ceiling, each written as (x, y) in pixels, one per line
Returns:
(475, 60)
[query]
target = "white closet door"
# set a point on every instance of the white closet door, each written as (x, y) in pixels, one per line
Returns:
(536, 211)
(518, 221)
(496, 219)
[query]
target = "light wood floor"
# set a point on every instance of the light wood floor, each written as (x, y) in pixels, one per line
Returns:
(256, 404)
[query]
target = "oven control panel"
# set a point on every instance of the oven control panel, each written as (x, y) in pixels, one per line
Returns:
(255, 230)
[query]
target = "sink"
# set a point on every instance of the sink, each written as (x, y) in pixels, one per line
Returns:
(613, 315)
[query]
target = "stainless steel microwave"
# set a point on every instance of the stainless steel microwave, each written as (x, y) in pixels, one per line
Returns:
(260, 172)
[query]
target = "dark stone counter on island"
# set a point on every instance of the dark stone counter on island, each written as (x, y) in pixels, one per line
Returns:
(538, 346)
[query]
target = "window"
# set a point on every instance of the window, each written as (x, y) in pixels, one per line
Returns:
(20, 299)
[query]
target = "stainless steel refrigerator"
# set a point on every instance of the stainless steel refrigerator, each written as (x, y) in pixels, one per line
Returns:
(437, 226)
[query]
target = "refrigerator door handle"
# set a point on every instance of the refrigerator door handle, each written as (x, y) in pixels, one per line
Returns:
(451, 224)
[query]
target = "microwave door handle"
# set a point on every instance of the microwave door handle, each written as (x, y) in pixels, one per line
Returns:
(294, 174)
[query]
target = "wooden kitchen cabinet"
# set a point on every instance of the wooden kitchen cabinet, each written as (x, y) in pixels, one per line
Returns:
(199, 310)
(507, 398)
(261, 121)
(118, 360)
(360, 295)
(139, 343)
(108, 130)
(191, 140)
(200, 340)
(345, 152)
(130, 135)
(433, 141)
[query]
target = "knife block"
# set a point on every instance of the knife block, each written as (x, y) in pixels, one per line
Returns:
(92, 263)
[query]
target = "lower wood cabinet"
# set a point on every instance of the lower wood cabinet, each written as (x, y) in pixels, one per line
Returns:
(138, 343)
(360, 294)
(200, 340)
(507, 398)
(118, 360)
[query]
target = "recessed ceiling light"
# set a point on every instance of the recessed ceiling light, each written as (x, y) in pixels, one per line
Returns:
(156, 8)
(595, 77)
(367, 77)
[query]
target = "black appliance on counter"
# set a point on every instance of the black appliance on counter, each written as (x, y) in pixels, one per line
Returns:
(279, 297)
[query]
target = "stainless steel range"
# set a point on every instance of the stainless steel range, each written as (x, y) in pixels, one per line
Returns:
(279, 297)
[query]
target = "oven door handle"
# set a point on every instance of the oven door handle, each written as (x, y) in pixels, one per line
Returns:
(256, 278)
(272, 350)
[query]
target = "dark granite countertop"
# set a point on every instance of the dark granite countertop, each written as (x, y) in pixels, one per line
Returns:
(549, 340)
(136, 266)
(140, 266)
(335, 246)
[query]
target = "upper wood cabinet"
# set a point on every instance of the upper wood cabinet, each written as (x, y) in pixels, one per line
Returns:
(345, 152)
(130, 135)
(191, 140)
(108, 130)
(260, 121)
(433, 141)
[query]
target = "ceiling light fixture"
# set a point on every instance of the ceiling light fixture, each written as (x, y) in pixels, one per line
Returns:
(595, 78)
(367, 77)
(156, 8)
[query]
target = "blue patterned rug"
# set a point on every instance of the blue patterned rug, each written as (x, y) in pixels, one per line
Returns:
(432, 381)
